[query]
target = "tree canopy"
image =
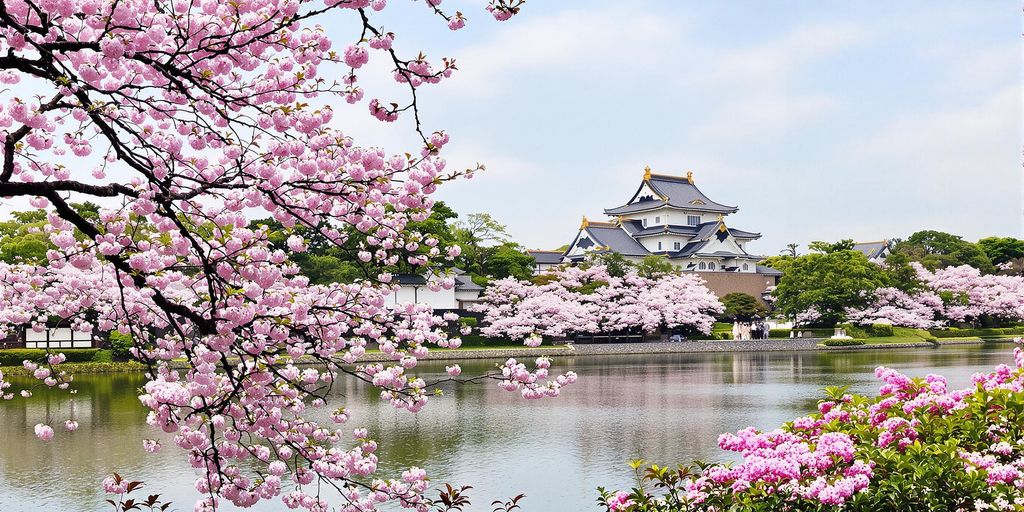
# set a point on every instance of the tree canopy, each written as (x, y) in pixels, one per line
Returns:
(936, 250)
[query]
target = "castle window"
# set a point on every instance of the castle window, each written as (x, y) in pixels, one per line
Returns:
(657, 220)
(746, 267)
(676, 245)
(703, 266)
(711, 266)
(644, 222)
(693, 220)
(659, 246)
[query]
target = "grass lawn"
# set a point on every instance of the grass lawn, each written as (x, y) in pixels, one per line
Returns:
(908, 335)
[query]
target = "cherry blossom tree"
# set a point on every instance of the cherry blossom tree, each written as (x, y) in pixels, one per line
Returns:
(920, 310)
(968, 294)
(590, 300)
(958, 294)
(181, 118)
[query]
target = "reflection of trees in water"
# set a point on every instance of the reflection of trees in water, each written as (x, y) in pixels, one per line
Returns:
(69, 468)
(666, 408)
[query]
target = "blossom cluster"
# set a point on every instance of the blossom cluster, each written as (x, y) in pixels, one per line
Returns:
(958, 294)
(571, 300)
(917, 444)
(184, 119)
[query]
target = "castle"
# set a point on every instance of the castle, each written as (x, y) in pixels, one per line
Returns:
(669, 216)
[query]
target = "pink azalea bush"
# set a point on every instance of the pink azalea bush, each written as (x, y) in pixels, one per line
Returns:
(915, 446)
(590, 300)
(182, 119)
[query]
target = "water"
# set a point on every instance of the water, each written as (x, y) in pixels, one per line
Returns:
(664, 408)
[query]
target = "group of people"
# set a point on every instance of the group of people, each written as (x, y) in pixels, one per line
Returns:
(753, 330)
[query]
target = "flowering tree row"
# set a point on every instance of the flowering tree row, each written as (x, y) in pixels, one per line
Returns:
(183, 117)
(916, 446)
(958, 294)
(590, 300)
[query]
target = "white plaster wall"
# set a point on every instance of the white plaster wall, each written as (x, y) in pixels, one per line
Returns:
(60, 337)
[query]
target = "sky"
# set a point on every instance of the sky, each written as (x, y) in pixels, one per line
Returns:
(821, 121)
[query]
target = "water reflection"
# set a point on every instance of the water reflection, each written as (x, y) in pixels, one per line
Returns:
(664, 408)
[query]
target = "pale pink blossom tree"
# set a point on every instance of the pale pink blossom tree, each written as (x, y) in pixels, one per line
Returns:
(182, 118)
(921, 309)
(577, 300)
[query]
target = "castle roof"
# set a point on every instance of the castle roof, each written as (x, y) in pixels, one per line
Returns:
(613, 238)
(674, 191)
(547, 257)
(872, 249)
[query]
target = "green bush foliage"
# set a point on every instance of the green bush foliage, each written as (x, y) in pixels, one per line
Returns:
(15, 356)
(120, 345)
(917, 446)
(842, 342)
(468, 321)
(868, 331)
(953, 332)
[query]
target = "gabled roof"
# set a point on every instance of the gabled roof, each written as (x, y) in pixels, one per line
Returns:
(872, 249)
(675, 191)
(547, 257)
(611, 238)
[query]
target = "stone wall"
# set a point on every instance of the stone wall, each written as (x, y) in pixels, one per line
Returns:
(724, 283)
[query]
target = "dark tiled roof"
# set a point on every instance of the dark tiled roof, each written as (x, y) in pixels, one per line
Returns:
(679, 192)
(739, 233)
(410, 279)
(689, 249)
(638, 206)
(633, 226)
(464, 283)
(547, 257)
(616, 239)
(768, 271)
(871, 249)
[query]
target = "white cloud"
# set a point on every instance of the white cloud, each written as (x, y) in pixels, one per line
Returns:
(608, 38)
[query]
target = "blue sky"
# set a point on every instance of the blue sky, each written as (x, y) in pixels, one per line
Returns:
(819, 120)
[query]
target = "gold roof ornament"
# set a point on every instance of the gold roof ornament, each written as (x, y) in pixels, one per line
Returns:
(585, 223)
(647, 172)
(721, 223)
(689, 177)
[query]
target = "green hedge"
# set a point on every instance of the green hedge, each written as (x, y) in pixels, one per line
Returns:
(842, 343)
(468, 321)
(868, 331)
(15, 356)
(953, 332)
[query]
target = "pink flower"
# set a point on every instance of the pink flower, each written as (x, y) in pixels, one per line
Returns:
(44, 432)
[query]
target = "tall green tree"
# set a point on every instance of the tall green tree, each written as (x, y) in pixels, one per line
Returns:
(741, 306)
(936, 249)
(654, 266)
(1001, 249)
(616, 263)
(828, 282)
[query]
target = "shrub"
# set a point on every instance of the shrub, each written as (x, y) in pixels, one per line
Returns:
(120, 345)
(842, 342)
(916, 446)
(14, 357)
(726, 335)
(953, 332)
(779, 333)
(881, 330)
(468, 321)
